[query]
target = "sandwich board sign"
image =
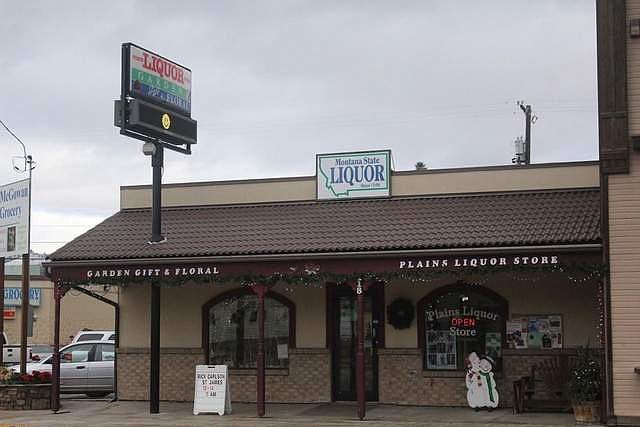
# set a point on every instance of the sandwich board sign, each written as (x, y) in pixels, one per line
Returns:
(212, 390)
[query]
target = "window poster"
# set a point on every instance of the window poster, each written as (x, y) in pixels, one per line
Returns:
(347, 318)
(283, 351)
(555, 331)
(441, 350)
(517, 333)
(535, 331)
(493, 344)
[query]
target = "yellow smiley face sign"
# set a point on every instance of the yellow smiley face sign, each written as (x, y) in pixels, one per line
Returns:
(166, 121)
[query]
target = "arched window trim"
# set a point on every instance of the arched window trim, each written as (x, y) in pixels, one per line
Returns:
(240, 292)
(460, 287)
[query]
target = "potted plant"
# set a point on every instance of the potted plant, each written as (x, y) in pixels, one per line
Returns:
(585, 386)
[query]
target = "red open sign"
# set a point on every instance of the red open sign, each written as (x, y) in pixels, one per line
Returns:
(464, 322)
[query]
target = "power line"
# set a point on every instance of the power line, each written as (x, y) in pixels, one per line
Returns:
(64, 225)
(368, 119)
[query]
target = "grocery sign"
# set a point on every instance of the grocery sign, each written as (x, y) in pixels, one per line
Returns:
(14, 219)
(353, 175)
(13, 297)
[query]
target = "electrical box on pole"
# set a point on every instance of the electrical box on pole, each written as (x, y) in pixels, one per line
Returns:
(529, 120)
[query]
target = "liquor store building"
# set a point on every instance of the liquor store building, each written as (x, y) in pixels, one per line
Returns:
(503, 261)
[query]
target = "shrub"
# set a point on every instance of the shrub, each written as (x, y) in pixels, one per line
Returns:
(7, 376)
(585, 384)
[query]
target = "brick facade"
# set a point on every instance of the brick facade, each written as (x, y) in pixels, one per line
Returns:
(25, 396)
(308, 378)
(403, 381)
(177, 372)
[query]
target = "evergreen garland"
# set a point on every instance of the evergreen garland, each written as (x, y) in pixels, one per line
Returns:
(578, 273)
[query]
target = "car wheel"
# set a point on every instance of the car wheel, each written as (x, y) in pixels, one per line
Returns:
(98, 394)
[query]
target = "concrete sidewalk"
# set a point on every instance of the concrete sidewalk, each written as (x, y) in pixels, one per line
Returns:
(103, 413)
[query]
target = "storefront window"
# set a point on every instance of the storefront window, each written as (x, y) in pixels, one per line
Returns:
(233, 332)
(458, 320)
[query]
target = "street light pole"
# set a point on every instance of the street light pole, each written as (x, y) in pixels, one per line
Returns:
(24, 308)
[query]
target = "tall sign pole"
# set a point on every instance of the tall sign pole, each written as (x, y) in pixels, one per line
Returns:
(157, 163)
(156, 237)
(24, 309)
(155, 107)
(1, 310)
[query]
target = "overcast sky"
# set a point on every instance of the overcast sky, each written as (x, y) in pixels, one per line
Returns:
(275, 82)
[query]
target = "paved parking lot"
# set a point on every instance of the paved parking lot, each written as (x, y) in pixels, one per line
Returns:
(76, 412)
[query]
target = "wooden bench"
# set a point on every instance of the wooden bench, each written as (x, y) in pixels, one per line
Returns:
(547, 388)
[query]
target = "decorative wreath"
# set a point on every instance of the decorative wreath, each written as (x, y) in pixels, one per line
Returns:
(400, 313)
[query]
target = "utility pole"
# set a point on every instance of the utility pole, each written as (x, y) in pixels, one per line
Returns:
(526, 109)
(26, 275)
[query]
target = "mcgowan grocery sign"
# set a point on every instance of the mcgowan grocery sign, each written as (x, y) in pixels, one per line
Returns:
(14, 219)
(353, 175)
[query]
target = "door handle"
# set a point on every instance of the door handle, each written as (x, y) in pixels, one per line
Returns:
(80, 367)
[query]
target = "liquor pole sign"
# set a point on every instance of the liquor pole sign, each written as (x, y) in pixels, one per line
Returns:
(155, 100)
(159, 80)
(353, 175)
(14, 219)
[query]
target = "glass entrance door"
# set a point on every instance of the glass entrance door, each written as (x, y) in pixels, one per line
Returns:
(345, 316)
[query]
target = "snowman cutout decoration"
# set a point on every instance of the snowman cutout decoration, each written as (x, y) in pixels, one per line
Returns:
(481, 387)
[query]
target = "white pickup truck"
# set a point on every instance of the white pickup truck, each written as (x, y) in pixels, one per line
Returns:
(11, 353)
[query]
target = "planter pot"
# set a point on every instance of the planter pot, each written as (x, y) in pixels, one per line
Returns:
(587, 412)
(25, 396)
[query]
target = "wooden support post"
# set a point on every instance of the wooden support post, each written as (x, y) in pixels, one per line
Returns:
(154, 383)
(260, 290)
(360, 288)
(1, 309)
(360, 389)
(117, 345)
(55, 392)
(24, 313)
(606, 405)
